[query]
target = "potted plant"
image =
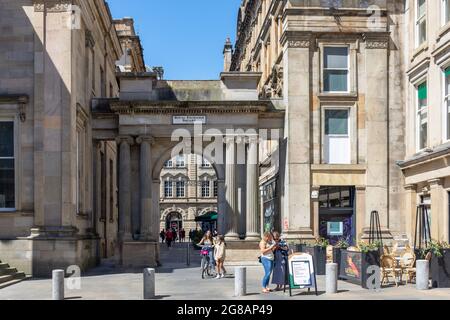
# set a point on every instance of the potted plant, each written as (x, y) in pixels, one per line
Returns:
(318, 250)
(355, 263)
(342, 244)
(439, 264)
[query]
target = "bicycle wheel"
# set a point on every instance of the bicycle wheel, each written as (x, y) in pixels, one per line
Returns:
(205, 265)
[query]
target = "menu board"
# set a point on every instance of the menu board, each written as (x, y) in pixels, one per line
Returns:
(301, 271)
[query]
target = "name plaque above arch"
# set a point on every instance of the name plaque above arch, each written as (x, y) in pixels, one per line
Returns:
(188, 119)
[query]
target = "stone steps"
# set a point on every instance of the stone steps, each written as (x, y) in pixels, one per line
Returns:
(9, 275)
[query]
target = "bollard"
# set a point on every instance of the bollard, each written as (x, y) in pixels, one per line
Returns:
(422, 274)
(240, 281)
(58, 285)
(149, 284)
(331, 278)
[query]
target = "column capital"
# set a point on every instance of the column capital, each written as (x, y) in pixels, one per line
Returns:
(410, 187)
(435, 182)
(148, 139)
(127, 139)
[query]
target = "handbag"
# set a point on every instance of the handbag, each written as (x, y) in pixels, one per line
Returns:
(259, 259)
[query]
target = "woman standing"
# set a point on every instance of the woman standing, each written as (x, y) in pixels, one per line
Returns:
(208, 242)
(219, 255)
(279, 264)
(267, 247)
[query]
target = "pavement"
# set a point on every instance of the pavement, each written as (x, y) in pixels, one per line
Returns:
(177, 281)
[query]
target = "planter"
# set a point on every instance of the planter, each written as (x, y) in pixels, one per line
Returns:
(440, 270)
(319, 255)
(353, 266)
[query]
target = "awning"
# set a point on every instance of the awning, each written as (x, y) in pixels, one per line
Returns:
(210, 216)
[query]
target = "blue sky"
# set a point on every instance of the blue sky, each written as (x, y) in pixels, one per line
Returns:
(186, 37)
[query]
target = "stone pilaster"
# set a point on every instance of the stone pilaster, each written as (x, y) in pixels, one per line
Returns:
(125, 143)
(437, 208)
(145, 176)
(230, 190)
(252, 193)
(409, 210)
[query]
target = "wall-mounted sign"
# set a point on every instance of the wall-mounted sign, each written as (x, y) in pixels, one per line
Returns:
(315, 194)
(189, 119)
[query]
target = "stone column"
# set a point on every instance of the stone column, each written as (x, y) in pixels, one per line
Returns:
(125, 143)
(410, 209)
(360, 211)
(230, 190)
(145, 176)
(253, 225)
(437, 209)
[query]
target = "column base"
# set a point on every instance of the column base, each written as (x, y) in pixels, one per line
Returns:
(232, 236)
(253, 237)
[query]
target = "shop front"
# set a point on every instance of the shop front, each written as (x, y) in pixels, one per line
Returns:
(337, 219)
(270, 206)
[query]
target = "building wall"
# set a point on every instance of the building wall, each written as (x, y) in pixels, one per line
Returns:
(285, 40)
(425, 169)
(193, 204)
(56, 63)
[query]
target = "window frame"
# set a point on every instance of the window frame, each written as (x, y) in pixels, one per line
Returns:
(349, 132)
(178, 188)
(205, 191)
(168, 188)
(445, 105)
(418, 113)
(15, 160)
(348, 69)
(216, 188)
(418, 21)
(180, 161)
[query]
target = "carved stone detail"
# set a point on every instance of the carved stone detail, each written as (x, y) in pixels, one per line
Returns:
(52, 5)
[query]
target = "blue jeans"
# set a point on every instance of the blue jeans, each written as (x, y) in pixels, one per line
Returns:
(268, 267)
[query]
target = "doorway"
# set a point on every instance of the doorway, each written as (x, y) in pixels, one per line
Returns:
(174, 221)
(337, 214)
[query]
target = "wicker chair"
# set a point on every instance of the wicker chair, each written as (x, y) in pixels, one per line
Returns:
(389, 269)
(407, 262)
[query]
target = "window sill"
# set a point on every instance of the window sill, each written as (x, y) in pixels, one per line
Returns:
(422, 48)
(339, 167)
(344, 96)
(443, 31)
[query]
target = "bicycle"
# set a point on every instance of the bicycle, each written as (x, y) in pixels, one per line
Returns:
(207, 267)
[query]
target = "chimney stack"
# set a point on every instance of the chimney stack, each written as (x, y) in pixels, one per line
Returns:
(227, 54)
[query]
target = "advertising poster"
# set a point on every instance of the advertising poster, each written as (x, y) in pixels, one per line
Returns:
(351, 265)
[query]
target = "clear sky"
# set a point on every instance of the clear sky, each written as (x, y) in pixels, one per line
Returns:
(186, 37)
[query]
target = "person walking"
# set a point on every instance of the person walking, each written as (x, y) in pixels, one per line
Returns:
(183, 235)
(279, 263)
(267, 248)
(219, 256)
(169, 238)
(162, 235)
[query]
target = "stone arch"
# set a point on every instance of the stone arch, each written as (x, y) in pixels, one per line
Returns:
(206, 210)
(170, 210)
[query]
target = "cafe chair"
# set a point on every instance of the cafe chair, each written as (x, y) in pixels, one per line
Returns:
(389, 269)
(407, 262)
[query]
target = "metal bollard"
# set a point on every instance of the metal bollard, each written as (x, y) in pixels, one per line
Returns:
(331, 278)
(58, 285)
(240, 281)
(422, 274)
(149, 284)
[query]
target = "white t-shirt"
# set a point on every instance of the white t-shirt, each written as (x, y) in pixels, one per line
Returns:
(269, 254)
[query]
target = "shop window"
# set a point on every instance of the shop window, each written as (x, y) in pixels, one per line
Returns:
(7, 166)
(336, 197)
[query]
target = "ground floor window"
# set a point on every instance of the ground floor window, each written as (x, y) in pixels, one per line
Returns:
(7, 166)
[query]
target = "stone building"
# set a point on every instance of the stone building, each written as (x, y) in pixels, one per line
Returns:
(427, 119)
(338, 68)
(189, 189)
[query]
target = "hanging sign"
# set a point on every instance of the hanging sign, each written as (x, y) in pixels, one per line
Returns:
(302, 273)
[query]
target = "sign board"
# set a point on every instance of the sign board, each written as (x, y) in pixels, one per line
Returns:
(351, 266)
(189, 119)
(301, 272)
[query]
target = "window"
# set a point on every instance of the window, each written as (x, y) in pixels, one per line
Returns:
(205, 189)
(180, 162)
(216, 188)
(206, 163)
(180, 189)
(447, 102)
(446, 11)
(168, 192)
(7, 166)
(422, 116)
(336, 69)
(337, 137)
(168, 164)
(421, 22)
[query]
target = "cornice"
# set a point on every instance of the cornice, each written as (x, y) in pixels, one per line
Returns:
(377, 40)
(295, 39)
(52, 5)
